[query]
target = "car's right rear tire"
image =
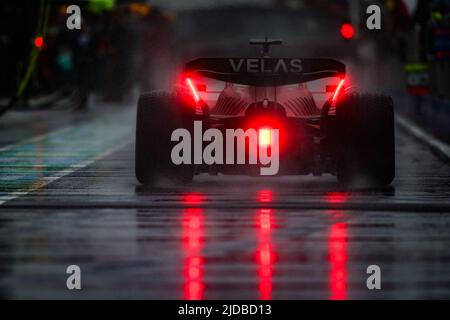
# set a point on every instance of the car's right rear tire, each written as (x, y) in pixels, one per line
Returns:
(366, 140)
(158, 115)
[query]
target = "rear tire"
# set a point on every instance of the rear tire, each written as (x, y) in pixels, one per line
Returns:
(366, 140)
(158, 114)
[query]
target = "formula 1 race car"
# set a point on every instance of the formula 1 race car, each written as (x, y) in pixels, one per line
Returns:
(299, 113)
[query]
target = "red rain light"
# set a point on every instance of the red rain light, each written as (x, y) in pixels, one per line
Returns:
(338, 91)
(38, 42)
(201, 87)
(193, 90)
(264, 137)
(347, 31)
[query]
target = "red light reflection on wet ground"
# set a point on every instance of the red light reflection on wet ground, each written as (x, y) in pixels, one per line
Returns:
(265, 254)
(337, 242)
(336, 197)
(193, 198)
(265, 196)
(193, 220)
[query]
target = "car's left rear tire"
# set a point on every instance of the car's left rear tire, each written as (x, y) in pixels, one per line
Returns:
(158, 115)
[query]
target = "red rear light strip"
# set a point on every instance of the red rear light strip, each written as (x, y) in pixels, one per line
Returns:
(337, 92)
(194, 92)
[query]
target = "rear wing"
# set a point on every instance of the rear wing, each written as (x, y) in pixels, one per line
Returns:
(265, 71)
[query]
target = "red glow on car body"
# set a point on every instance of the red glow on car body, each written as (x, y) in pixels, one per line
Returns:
(265, 126)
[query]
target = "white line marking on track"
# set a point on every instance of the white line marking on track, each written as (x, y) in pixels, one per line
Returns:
(59, 174)
(36, 139)
(434, 143)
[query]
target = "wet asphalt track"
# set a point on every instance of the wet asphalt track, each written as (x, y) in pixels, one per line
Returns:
(71, 198)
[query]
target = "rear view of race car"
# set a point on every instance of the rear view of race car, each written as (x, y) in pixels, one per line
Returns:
(265, 116)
